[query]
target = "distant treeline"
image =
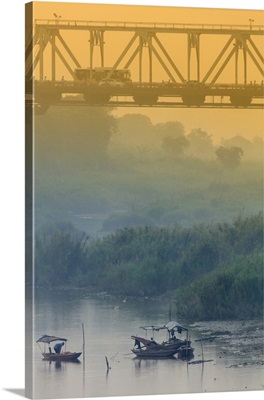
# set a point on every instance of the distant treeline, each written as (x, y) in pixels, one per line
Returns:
(211, 271)
(104, 173)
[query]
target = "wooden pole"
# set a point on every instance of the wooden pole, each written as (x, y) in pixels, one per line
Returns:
(83, 345)
(202, 351)
(107, 364)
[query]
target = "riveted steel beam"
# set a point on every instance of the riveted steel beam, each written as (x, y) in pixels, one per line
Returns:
(169, 58)
(155, 37)
(247, 50)
(122, 55)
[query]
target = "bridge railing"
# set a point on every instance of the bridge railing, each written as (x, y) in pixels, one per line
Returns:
(148, 25)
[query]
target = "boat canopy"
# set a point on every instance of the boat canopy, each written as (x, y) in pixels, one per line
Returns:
(142, 340)
(169, 326)
(152, 328)
(48, 339)
(173, 324)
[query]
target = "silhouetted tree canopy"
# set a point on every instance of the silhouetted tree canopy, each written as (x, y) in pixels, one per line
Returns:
(229, 156)
(201, 144)
(173, 129)
(73, 138)
(175, 146)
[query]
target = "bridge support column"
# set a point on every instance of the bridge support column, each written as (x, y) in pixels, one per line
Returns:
(96, 39)
(41, 52)
(53, 61)
(193, 43)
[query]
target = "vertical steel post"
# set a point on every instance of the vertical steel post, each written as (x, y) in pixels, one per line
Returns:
(150, 60)
(53, 62)
(245, 64)
(91, 52)
(193, 42)
(41, 51)
(188, 56)
(140, 57)
(236, 62)
(197, 45)
(102, 47)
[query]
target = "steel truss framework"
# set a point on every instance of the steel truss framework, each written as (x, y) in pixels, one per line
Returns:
(242, 50)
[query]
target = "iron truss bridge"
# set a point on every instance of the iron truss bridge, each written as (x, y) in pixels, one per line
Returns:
(172, 65)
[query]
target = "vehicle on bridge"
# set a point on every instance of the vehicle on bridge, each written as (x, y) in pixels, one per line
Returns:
(99, 73)
(108, 82)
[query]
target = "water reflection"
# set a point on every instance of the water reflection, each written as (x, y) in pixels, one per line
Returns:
(58, 365)
(108, 333)
(145, 363)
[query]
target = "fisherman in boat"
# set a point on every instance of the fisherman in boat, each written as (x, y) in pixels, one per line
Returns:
(57, 347)
(173, 334)
(152, 341)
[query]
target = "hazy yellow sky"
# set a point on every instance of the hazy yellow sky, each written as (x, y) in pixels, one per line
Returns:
(102, 12)
(219, 123)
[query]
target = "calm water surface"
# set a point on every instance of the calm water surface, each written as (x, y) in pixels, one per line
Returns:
(236, 350)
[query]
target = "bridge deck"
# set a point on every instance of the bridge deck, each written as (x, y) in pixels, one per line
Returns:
(154, 26)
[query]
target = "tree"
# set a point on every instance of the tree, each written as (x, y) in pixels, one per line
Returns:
(175, 146)
(201, 143)
(173, 140)
(72, 137)
(171, 128)
(230, 157)
(135, 130)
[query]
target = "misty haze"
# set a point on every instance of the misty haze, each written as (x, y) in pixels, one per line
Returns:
(147, 198)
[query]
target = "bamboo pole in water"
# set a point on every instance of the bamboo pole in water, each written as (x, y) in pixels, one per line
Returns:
(83, 344)
(202, 351)
(107, 364)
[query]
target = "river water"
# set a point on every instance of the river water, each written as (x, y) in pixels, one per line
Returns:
(233, 351)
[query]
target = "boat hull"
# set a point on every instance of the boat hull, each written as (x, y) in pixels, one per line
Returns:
(156, 351)
(61, 357)
(164, 350)
(156, 354)
(185, 352)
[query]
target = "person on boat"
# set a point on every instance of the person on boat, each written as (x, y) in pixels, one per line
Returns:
(152, 341)
(57, 347)
(173, 334)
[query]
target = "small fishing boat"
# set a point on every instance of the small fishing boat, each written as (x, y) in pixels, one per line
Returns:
(145, 348)
(185, 352)
(57, 355)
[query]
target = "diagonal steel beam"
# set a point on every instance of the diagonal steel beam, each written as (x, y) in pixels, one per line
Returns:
(222, 52)
(30, 45)
(224, 65)
(74, 59)
(122, 55)
(256, 49)
(160, 59)
(252, 56)
(168, 57)
(29, 56)
(65, 62)
(31, 68)
(133, 56)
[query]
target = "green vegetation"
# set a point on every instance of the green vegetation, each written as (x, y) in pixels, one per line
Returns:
(153, 201)
(234, 291)
(229, 157)
(213, 271)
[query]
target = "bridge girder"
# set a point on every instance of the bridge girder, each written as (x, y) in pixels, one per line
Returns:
(244, 45)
